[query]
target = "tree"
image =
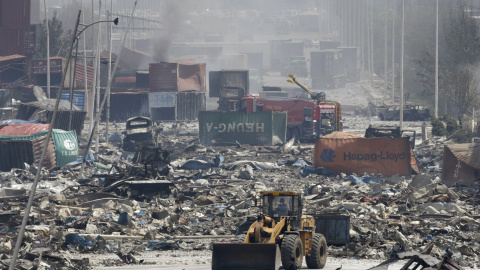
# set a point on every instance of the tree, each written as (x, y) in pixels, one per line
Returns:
(458, 53)
(462, 88)
(58, 39)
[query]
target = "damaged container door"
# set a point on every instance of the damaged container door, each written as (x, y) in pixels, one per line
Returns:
(189, 104)
(162, 106)
(335, 228)
(259, 128)
(66, 146)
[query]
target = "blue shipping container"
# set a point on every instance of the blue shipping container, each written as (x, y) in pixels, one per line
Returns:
(78, 99)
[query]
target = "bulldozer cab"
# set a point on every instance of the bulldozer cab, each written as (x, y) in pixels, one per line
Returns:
(277, 204)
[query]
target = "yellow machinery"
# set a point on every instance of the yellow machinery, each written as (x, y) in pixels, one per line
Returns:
(277, 234)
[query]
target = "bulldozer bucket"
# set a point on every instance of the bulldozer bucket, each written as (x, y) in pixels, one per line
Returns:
(246, 256)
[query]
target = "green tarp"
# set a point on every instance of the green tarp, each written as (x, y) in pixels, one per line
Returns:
(257, 128)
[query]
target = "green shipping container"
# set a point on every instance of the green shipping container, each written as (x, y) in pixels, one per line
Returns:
(257, 128)
(66, 146)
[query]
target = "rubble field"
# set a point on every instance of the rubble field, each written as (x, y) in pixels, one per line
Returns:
(118, 214)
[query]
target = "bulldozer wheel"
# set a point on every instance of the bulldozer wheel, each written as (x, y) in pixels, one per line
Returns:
(291, 246)
(239, 239)
(318, 257)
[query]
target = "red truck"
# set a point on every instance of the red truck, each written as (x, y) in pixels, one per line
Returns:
(306, 119)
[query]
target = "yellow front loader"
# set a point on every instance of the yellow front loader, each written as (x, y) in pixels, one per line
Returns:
(279, 233)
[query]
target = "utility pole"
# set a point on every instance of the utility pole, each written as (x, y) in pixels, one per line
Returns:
(362, 34)
(109, 70)
(385, 71)
(436, 65)
(86, 102)
(401, 64)
(97, 73)
(48, 48)
(371, 41)
(393, 52)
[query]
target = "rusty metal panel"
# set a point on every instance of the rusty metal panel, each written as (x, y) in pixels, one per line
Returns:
(335, 228)
(189, 104)
(163, 77)
(191, 76)
(23, 129)
(63, 118)
(15, 13)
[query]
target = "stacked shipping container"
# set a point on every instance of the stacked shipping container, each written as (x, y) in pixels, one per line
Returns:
(177, 90)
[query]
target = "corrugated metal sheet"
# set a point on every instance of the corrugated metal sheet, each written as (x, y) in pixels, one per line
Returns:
(80, 75)
(163, 77)
(189, 104)
(335, 228)
(23, 129)
(257, 128)
(15, 151)
(461, 164)
(466, 152)
(31, 111)
(66, 146)
(15, 13)
(78, 99)
(125, 105)
(162, 99)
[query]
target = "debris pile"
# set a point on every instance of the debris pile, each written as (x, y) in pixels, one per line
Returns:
(206, 192)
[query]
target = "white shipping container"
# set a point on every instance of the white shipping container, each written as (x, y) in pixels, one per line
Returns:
(162, 99)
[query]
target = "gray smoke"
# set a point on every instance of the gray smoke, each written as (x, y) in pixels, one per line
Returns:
(172, 24)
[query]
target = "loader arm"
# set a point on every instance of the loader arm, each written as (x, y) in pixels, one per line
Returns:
(265, 230)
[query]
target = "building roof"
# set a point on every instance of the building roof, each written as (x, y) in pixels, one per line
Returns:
(80, 74)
